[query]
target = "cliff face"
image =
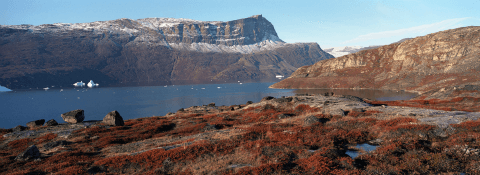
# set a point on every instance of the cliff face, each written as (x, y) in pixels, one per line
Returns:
(147, 51)
(421, 64)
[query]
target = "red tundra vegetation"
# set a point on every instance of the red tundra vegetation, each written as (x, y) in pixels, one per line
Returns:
(469, 104)
(253, 141)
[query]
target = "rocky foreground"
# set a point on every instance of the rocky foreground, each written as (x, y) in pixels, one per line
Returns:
(303, 134)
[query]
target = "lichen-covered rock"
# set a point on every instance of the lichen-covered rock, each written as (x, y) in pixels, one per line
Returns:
(30, 153)
(36, 123)
(51, 122)
(75, 116)
(113, 118)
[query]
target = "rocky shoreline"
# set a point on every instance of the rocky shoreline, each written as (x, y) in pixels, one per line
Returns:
(291, 134)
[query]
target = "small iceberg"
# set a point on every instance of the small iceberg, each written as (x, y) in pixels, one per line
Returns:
(46, 88)
(4, 89)
(81, 84)
(279, 76)
(92, 84)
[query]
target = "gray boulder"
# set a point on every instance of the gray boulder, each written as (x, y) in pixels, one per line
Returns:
(18, 128)
(51, 122)
(113, 118)
(30, 153)
(333, 111)
(36, 123)
(75, 116)
(310, 120)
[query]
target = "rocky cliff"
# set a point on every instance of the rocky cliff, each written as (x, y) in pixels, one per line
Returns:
(421, 64)
(148, 51)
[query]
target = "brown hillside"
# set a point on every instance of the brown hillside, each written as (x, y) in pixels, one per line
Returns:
(421, 64)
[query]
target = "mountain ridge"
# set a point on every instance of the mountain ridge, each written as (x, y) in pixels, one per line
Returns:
(121, 52)
(420, 64)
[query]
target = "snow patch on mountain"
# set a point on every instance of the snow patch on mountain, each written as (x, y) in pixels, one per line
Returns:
(341, 51)
(162, 28)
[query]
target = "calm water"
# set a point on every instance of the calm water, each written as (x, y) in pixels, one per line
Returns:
(365, 146)
(20, 107)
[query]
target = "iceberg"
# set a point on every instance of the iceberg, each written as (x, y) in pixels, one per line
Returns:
(81, 83)
(92, 84)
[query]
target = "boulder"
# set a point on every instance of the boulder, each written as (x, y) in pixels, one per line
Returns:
(249, 102)
(51, 122)
(267, 98)
(18, 128)
(113, 118)
(333, 111)
(36, 123)
(211, 105)
(75, 116)
(181, 110)
(310, 120)
(30, 153)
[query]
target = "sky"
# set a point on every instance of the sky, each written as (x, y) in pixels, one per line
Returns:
(331, 23)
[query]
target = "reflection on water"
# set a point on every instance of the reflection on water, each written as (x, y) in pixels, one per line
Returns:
(381, 95)
(364, 146)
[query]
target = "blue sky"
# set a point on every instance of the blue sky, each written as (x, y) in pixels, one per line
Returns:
(329, 23)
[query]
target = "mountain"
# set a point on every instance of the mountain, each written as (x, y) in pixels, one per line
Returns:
(148, 51)
(345, 50)
(421, 64)
(341, 51)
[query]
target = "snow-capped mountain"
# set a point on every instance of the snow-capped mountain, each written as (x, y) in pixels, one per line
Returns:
(148, 50)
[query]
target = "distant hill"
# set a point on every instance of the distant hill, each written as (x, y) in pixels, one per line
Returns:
(421, 64)
(345, 50)
(148, 51)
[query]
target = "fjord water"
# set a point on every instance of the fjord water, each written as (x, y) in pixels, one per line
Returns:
(20, 107)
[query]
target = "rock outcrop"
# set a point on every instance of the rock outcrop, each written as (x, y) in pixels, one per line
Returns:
(420, 64)
(75, 116)
(113, 118)
(148, 51)
(36, 123)
(51, 122)
(30, 153)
